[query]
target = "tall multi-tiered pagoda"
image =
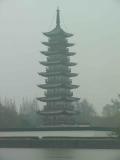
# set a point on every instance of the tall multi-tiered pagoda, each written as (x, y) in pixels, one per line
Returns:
(59, 98)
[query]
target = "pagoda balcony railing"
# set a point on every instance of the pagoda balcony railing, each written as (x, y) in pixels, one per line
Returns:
(61, 70)
(60, 81)
(47, 70)
(70, 81)
(45, 93)
(62, 59)
(64, 50)
(58, 41)
(50, 49)
(46, 81)
(69, 70)
(70, 94)
(51, 60)
(49, 81)
(58, 94)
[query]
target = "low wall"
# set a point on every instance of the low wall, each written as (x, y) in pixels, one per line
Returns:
(58, 142)
(59, 128)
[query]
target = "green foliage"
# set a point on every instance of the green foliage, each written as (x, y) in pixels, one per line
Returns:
(85, 111)
(11, 118)
(111, 114)
(8, 116)
(27, 116)
(112, 109)
(116, 132)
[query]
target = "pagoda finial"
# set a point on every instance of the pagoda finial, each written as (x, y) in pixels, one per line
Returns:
(58, 18)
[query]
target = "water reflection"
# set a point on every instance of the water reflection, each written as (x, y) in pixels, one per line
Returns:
(78, 154)
(58, 154)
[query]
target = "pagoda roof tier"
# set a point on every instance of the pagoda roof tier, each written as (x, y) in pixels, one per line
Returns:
(48, 86)
(72, 99)
(66, 44)
(58, 62)
(49, 53)
(68, 112)
(57, 31)
(46, 99)
(51, 99)
(68, 74)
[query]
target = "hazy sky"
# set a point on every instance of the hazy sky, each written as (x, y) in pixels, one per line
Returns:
(96, 28)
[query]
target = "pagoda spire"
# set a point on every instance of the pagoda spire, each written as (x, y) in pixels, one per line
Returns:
(58, 18)
(58, 96)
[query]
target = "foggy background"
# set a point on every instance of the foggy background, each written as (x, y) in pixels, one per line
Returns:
(96, 28)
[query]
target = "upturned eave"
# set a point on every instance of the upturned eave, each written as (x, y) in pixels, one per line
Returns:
(46, 74)
(61, 112)
(51, 99)
(58, 62)
(48, 53)
(56, 32)
(58, 85)
(53, 44)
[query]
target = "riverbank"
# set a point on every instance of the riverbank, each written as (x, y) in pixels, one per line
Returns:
(60, 142)
(58, 128)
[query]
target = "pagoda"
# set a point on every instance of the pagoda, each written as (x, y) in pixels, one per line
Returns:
(59, 109)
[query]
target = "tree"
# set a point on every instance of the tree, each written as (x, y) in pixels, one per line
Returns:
(85, 111)
(111, 113)
(8, 114)
(116, 132)
(113, 109)
(28, 107)
(28, 113)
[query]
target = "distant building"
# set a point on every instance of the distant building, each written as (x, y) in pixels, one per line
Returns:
(59, 108)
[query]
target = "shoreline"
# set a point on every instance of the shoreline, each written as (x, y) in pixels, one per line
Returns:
(58, 128)
(60, 142)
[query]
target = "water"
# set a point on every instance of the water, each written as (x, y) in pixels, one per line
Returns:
(58, 154)
(58, 133)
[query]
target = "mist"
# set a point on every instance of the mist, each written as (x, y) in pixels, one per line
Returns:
(96, 28)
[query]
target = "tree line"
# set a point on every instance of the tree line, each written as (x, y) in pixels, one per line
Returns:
(23, 117)
(26, 116)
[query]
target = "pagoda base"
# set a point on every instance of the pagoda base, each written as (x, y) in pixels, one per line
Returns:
(57, 120)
